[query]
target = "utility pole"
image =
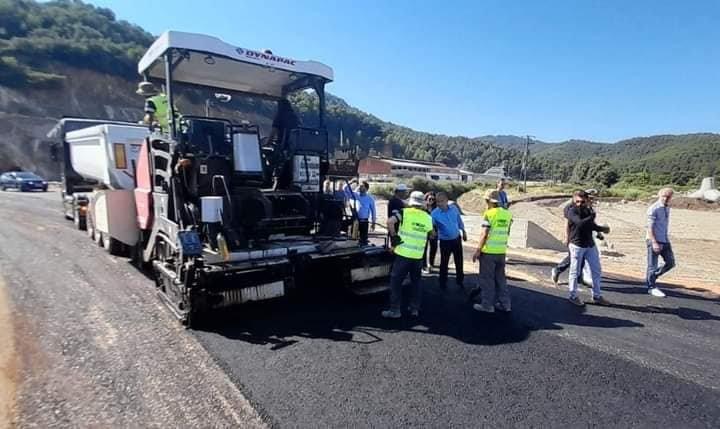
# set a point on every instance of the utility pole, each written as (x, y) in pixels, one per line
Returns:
(526, 160)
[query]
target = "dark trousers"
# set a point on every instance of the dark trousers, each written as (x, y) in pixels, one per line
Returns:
(653, 272)
(493, 282)
(454, 248)
(363, 227)
(401, 267)
(432, 243)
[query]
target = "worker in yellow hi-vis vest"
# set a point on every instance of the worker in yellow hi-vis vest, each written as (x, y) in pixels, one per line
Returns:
(491, 254)
(409, 231)
(156, 107)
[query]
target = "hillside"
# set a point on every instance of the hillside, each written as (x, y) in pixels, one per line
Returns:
(676, 159)
(68, 58)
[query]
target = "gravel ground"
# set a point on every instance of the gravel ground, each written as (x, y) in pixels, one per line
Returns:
(8, 360)
(96, 347)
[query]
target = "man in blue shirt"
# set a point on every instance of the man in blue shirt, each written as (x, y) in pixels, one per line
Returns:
(348, 189)
(365, 206)
(503, 201)
(450, 228)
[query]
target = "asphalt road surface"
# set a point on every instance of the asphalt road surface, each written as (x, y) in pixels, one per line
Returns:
(99, 349)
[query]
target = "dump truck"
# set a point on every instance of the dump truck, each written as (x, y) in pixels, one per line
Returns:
(222, 214)
(97, 154)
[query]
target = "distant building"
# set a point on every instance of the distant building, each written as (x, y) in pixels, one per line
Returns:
(498, 171)
(379, 168)
(493, 174)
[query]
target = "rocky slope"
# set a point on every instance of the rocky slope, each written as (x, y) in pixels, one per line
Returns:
(26, 115)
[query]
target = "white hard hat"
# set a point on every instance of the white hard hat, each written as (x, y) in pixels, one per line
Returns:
(417, 198)
(146, 89)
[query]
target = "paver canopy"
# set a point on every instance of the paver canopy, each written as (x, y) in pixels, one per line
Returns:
(208, 61)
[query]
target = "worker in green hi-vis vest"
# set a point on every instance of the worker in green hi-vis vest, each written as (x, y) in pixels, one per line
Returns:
(156, 107)
(409, 231)
(491, 255)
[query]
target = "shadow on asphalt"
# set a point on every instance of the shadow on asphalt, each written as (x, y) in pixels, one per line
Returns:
(610, 280)
(638, 288)
(339, 316)
(515, 261)
(681, 312)
(611, 283)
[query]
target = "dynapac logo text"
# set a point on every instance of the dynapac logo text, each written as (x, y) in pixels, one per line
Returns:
(263, 56)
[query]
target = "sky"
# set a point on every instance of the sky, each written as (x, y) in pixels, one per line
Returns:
(556, 70)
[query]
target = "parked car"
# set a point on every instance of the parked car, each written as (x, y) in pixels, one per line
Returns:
(23, 181)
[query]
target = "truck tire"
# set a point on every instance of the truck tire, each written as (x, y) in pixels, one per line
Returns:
(80, 221)
(112, 246)
(192, 320)
(136, 253)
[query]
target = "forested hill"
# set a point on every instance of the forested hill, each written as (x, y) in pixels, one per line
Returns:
(66, 57)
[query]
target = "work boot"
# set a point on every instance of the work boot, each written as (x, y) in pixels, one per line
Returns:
(473, 293)
(483, 309)
(600, 300)
(576, 301)
(554, 276)
(390, 314)
(414, 312)
(501, 308)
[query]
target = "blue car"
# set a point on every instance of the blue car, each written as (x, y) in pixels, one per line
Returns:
(23, 181)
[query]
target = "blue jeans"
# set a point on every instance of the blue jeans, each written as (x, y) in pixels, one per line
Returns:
(653, 272)
(591, 256)
(565, 264)
(403, 266)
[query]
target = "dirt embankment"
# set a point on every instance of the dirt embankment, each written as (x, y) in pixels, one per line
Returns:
(694, 234)
(26, 115)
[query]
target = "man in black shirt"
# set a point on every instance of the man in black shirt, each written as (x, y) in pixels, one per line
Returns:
(285, 120)
(562, 266)
(581, 219)
(397, 203)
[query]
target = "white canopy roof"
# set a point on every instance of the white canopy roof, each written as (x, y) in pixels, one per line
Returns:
(217, 64)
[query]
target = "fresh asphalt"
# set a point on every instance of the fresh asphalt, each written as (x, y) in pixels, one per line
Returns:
(327, 359)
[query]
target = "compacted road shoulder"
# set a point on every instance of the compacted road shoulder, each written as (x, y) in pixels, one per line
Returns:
(95, 348)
